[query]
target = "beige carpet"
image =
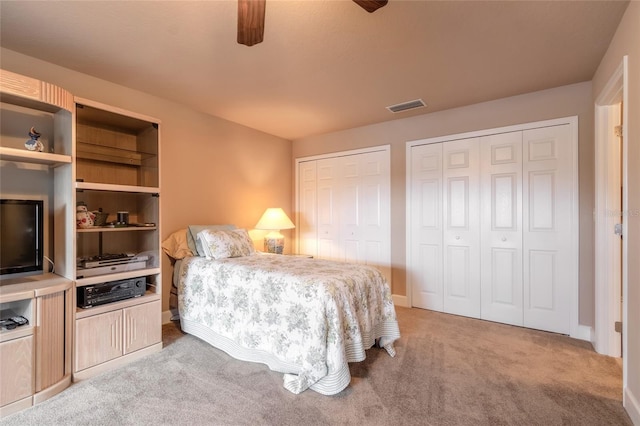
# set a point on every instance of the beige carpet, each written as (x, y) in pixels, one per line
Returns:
(449, 371)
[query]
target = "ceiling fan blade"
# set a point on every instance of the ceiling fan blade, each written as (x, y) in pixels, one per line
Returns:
(250, 21)
(371, 5)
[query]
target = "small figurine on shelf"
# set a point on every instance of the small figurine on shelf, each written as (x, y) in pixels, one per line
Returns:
(34, 144)
(84, 218)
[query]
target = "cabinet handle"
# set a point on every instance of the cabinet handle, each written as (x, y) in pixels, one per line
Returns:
(504, 238)
(457, 237)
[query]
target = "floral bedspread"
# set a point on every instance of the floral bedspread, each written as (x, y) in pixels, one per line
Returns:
(305, 317)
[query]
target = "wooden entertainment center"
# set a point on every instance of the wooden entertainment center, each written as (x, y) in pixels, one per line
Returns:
(107, 159)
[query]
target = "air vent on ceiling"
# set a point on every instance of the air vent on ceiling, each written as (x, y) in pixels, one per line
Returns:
(418, 103)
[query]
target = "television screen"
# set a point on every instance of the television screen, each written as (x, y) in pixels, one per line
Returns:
(21, 238)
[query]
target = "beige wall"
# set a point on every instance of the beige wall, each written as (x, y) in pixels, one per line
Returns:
(212, 170)
(627, 42)
(548, 104)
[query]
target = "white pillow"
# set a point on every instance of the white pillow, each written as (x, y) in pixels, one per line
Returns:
(223, 244)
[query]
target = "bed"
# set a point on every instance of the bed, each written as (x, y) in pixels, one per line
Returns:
(307, 318)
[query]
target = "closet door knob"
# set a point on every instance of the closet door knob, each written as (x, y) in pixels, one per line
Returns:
(457, 237)
(504, 238)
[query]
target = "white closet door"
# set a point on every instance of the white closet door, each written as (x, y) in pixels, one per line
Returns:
(425, 271)
(329, 246)
(547, 243)
(501, 228)
(375, 210)
(349, 211)
(307, 215)
(461, 230)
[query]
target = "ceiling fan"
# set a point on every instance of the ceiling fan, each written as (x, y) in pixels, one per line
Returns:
(251, 18)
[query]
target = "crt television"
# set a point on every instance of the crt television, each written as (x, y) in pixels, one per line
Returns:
(21, 237)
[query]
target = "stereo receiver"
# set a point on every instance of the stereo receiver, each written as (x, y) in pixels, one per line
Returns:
(99, 294)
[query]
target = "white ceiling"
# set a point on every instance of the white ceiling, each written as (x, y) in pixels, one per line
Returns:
(323, 65)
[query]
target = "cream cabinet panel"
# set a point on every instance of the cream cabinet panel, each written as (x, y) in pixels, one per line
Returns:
(98, 339)
(16, 370)
(141, 326)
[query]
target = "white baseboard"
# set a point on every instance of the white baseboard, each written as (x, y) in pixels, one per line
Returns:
(400, 300)
(632, 406)
(585, 332)
(166, 317)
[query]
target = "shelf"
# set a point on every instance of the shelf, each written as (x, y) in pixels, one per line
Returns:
(121, 304)
(32, 286)
(90, 151)
(117, 276)
(16, 333)
(91, 186)
(33, 157)
(115, 229)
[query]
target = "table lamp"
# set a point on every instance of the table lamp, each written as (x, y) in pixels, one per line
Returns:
(274, 219)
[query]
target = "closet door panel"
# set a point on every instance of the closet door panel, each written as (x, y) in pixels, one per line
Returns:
(425, 273)
(307, 216)
(375, 200)
(461, 232)
(328, 230)
(548, 253)
(501, 228)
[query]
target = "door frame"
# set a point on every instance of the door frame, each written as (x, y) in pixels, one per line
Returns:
(607, 296)
(576, 330)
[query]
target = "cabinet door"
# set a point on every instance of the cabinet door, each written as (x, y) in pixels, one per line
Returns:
(50, 350)
(98, 339)
(461, 227)
(501, 228)
(142, 326)
(16, 369)
(425, 273)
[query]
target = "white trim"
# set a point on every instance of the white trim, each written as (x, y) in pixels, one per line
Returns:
(606, 341)
(166, 317)
(400, 300)
(574, 326)
(631, 404)
(585, 332)
(343, 153)
(486, 132)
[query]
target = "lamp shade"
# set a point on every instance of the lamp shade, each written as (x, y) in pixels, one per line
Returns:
(274, 219)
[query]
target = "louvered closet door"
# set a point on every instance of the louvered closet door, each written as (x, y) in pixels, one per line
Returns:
(547, 241)
(425, 273)
(307, 216)
(329, 246)
(501, 228)
(461, 230)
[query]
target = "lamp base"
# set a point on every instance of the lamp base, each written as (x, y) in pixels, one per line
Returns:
(274, 245)
(274, 242)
